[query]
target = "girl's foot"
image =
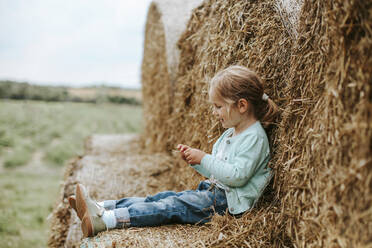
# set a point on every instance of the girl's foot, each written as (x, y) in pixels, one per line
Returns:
(72, 202)
(90, 211)
(92, 223)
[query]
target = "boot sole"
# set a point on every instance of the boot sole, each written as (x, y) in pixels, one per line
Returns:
(72, 202)
(86, 226)
(81, 206)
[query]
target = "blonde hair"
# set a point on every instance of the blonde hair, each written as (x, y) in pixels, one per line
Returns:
(237, 82)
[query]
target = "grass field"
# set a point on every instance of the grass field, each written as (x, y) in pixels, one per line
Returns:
(36, 141)
(92, 93)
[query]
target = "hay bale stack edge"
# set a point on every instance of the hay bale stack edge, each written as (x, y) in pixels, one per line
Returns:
(166, 20)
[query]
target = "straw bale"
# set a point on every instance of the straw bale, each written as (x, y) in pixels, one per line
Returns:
(163, 236)
(328, 200)
(322, 142)
(166, 20)
(174, 17)
(114, 172)
(108, 144)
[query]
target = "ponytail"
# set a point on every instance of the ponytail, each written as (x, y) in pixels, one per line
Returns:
(270, 112)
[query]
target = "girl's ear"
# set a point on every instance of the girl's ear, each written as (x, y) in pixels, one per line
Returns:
(243, 105)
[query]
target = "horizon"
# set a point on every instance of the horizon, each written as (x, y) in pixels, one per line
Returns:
(66, 85)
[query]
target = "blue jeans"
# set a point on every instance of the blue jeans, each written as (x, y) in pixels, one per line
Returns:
(168, 207)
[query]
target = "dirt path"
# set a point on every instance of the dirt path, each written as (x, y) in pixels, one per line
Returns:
(37, 166)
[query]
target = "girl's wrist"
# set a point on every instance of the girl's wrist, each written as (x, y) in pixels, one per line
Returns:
(202, 156)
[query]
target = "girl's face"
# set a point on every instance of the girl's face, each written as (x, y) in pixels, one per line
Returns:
(228, 116)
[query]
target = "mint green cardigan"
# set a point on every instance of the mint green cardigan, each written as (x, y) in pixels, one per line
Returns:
(243, 171)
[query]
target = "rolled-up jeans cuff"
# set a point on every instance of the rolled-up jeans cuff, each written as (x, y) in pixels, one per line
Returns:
(122, 217)
(109, 204)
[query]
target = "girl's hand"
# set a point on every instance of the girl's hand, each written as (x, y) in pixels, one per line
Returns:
(182, 148)
(194, 156)
(190, 155)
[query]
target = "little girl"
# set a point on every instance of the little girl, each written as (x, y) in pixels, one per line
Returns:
(237, 168)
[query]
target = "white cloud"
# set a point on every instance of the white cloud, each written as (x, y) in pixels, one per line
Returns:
(72, 41)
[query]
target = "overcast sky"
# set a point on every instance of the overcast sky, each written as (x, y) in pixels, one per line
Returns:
(72, 42)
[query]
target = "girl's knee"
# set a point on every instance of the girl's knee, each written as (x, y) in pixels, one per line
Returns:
(203, 185)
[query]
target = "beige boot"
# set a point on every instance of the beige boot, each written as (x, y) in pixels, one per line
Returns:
(91, 212)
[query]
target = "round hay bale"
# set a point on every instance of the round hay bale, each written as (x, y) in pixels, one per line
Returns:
(325, 182)
(166, 20)
(322, 142)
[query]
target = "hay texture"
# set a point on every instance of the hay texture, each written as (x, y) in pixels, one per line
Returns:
(166, 20)
(289, 11)
(321, 79)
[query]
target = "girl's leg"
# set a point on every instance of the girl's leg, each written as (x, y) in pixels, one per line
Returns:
(128, 201)
(124, 202)
(165, 208)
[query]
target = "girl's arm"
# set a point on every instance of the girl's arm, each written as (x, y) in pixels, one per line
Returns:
(244, 165)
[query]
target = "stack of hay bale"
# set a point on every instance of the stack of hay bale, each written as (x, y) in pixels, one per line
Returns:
(166, 21)
(316, 64)
(319, 73)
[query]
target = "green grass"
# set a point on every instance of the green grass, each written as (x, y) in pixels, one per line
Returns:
(54, 132)
(58, 128)
(25, 202)
(18, 157)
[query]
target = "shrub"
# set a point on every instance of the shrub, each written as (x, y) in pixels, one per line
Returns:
(58, 154)
(18, 157)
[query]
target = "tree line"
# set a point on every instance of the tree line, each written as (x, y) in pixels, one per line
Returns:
(25, 91)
